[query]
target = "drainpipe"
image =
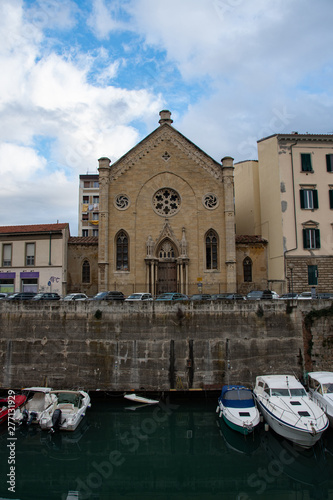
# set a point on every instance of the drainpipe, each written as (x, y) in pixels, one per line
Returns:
(50, 249)
(293, 182)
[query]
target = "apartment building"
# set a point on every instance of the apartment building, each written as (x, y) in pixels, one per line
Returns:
(88, 205)
(287, 198)
(34, 258)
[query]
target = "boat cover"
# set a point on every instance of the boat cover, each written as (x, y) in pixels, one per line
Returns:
(237, 396)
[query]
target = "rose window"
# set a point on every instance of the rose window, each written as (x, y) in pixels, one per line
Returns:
(122, 201)
(210, 201)
(166, 202)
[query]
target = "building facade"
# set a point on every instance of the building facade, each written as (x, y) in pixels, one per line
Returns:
(294, 182)
(166, 218)
(82, 266)
(88, 205)
(34, 258)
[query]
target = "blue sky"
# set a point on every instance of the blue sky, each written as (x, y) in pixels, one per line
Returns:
(85, 79)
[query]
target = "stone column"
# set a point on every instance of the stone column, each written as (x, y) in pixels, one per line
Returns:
(103, 231)
(229, 219)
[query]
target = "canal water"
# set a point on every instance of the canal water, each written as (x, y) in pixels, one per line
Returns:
(177, 450)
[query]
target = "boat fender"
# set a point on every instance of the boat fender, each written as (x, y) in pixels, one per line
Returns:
(266, 427)
(221, 413)
(217, 409)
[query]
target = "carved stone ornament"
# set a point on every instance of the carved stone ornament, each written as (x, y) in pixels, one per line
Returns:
(122, 201)
(210, 201)
(166, 202)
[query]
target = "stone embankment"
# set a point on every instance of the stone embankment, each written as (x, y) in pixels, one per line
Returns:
(161, 346)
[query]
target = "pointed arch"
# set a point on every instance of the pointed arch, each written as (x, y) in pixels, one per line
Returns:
(167, 250)
(86, 271)
(122, 251)
(247, 269)
(211, 246)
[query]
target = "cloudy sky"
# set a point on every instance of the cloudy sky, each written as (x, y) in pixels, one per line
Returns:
(81, 79)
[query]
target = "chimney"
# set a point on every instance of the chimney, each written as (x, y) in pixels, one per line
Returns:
(165, 117)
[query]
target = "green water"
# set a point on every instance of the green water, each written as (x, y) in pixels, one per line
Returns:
(177, 450)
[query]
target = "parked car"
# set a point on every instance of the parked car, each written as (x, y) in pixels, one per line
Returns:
(172, 296)
(3, 295)
(201, 296)
(114, 295)
(306, 296)
(258, 294)
(76, 296)
(46, 296)
(325, 295)
(235, 296)
(21, 296)
(219, 296)
(137, 297)
(289, 296)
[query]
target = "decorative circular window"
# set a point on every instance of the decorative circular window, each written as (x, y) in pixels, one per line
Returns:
(166, 202)
(122, 201)
(210, 201)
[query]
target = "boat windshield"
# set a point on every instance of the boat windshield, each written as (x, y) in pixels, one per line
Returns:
(328, 388)
(279, 392)
(297, 392)
(238, 398)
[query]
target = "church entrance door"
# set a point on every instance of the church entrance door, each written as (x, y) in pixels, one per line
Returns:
(166, 277)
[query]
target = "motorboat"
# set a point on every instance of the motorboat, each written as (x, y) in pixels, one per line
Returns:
(288, 410)
(321, 391)
(238, 409)
(40, 402)
(9, 404)
(69, 411)
(141, 399)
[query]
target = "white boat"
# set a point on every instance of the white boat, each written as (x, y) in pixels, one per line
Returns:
(321, 391)
(238, 409)
(41, 402)
(141, 399)
(70, 409)
(288, 410)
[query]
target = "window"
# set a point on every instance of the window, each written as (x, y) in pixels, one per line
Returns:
(30, 254)
(84, 232)
(312, 275)
(85, 216)
(247, 269)
(122, 251)
(86, 184)
(86, 199)
(95, 199)
(330, 193)
(85, 272)
(306, 162)
(211, 250)
(95, 232)
(311, 238)
(309, 198)
(6, 255)
(95, 216)
(329, 163)
(96, 184)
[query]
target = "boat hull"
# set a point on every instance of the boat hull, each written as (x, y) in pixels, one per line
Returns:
(302, 438)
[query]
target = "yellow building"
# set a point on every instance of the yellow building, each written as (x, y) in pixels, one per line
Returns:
(166, 218)
(287, 197)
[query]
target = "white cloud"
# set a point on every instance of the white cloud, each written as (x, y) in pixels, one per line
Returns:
(102, 21)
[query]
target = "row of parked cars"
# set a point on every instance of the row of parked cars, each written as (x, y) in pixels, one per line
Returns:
(135, 297)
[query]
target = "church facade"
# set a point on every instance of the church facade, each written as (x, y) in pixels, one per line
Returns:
(166, 218)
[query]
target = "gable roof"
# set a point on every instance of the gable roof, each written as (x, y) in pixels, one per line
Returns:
(160, 134)
(34, 228)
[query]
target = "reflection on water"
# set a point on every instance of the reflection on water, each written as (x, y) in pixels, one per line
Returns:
(177, 450)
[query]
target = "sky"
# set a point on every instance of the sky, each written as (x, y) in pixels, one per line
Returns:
(83, 79)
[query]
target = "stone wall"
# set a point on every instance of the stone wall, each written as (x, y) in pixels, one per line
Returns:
(160, 346)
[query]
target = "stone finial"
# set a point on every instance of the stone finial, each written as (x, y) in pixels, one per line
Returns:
(227, 161)
(104, 162)
(165, 117)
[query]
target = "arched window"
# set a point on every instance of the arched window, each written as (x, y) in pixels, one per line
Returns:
(247, 269)
(166, 251)
(211, 250)
(122, 252)
(85, 272)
